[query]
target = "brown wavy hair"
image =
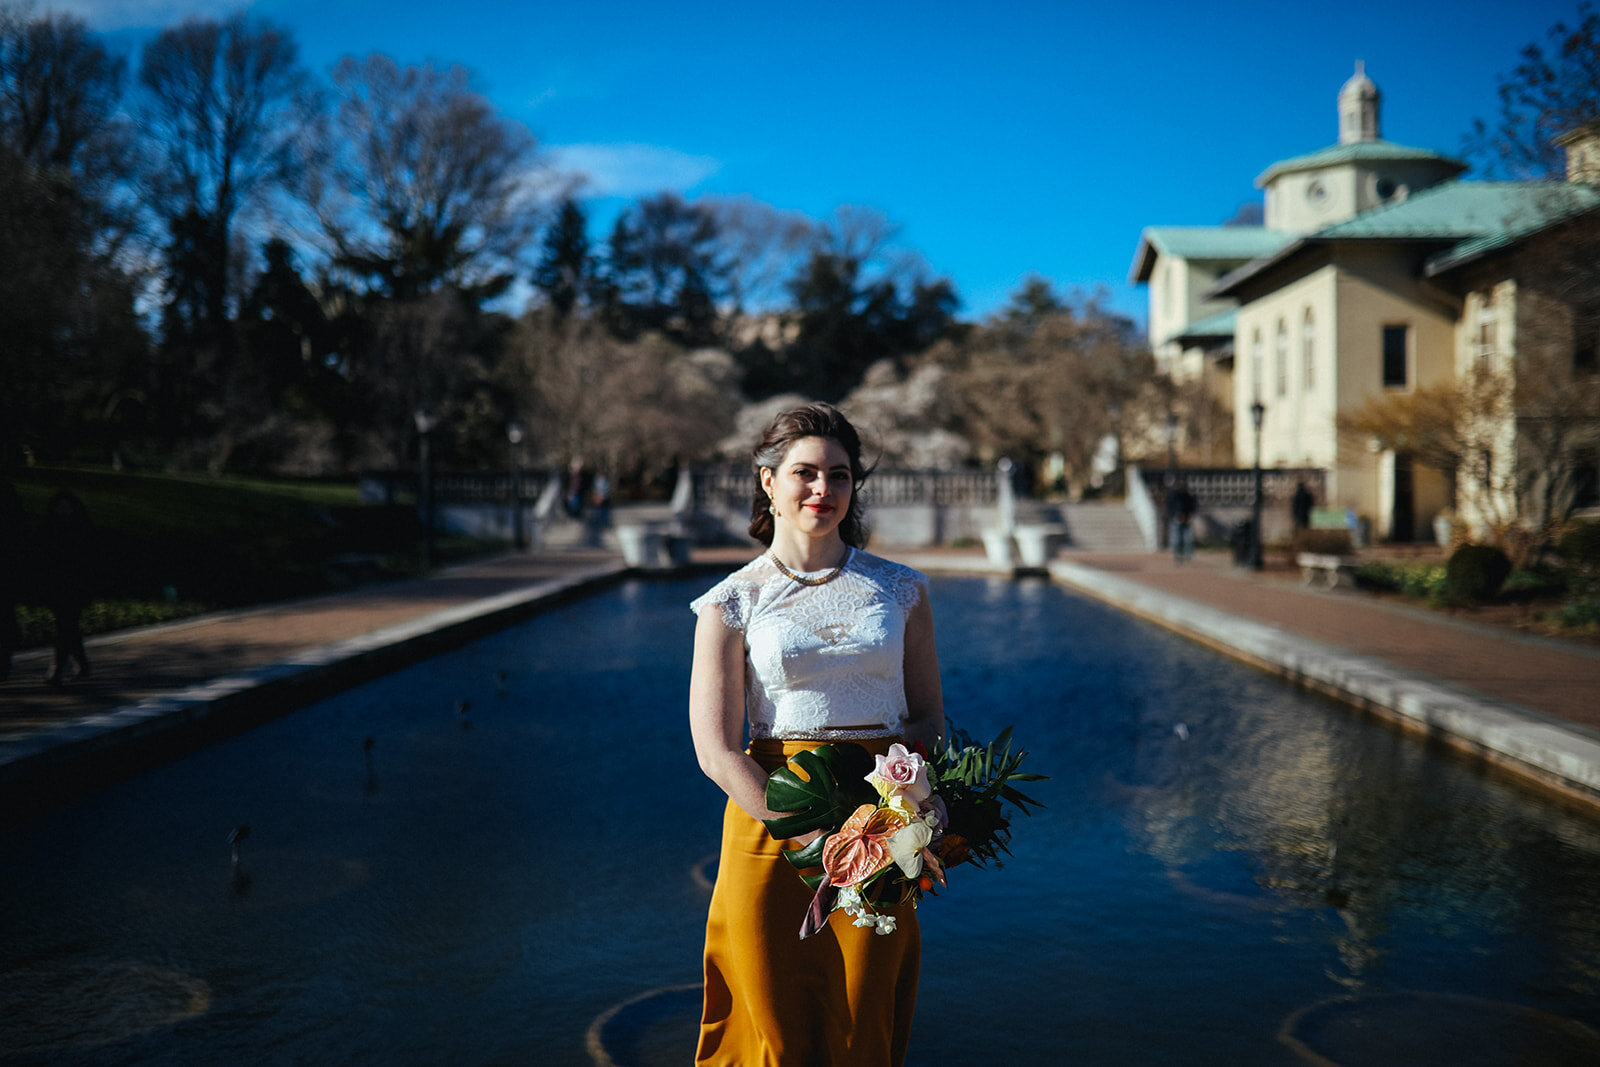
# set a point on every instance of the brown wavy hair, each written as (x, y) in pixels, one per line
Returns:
(809, 420)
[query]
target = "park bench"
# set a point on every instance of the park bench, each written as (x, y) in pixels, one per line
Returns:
(1324, 567)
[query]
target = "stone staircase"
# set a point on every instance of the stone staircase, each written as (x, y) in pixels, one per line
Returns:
(1101, 527)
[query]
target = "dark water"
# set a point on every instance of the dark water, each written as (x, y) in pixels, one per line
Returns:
(485, 885)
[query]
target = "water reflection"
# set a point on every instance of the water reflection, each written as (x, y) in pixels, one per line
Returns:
(1218, 854)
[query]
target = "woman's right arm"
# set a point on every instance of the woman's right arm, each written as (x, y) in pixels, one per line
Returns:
(716, 714)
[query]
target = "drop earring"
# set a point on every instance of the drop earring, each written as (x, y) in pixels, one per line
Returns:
(772, 508)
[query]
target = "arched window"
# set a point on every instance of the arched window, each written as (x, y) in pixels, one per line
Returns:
(1308, 349)
(1280, 354)
(1257, 371)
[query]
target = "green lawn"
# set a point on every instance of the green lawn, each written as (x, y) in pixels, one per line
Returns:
(173, 545)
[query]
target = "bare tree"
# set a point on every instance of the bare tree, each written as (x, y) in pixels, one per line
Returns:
(620, 406)
(420, 184)
(1553, 90)
(1052, 376)
(763, 247)
(223, 107)
(71, 337)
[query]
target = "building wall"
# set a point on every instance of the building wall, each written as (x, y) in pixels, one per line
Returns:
(1298, 427)
(1350, 302)
(1345, 191)
(1374, 291)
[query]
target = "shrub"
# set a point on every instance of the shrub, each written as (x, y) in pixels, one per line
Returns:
(1579, 612)
(1580, 543)
(1476, 572)
(1323, 542)
(1425, 581)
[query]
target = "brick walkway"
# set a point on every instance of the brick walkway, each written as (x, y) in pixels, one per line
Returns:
(1556, 677)
(141, 664)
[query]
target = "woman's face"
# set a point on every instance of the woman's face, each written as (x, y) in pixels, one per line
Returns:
(811, 488)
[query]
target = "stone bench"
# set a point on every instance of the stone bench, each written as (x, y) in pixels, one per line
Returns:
(1327, 569)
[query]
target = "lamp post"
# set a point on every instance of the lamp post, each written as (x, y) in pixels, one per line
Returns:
(1258, 413)
(1171, 480)
(514, 435)
(425, 421)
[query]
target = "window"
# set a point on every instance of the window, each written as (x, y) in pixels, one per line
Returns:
(1308, 350)
(1280, 352)
(1256, 361)
(1396, 350)
(1484, 345)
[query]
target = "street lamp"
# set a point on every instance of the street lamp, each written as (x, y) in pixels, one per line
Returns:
(1171, 479)
(514, 435)
(1258, 413)
(425, 421)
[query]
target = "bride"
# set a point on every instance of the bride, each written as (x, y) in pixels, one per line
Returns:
(813, 641)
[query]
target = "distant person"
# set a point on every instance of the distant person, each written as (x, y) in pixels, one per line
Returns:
(65, 554)
(1300, 506)
(13, 554)
(1180, 514)
(577, 482)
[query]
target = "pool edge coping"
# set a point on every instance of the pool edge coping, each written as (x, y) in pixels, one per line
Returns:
(1535, 747)
(220, 706)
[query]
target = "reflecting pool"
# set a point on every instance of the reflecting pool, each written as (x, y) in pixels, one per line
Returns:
(479, 859)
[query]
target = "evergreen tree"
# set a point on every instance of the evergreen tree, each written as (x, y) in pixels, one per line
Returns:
(563, 271)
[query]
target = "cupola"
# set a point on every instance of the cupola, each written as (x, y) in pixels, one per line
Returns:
(1358, 108)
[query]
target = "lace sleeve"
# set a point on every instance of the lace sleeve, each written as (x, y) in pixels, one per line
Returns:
(910, 586)
(734, 599)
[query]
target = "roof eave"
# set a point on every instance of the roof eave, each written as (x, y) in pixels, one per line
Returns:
(1227, 285)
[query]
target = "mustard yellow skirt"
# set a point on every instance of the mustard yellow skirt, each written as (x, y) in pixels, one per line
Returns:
(840, 998)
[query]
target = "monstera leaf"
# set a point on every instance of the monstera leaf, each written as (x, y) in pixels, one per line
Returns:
(833, 786)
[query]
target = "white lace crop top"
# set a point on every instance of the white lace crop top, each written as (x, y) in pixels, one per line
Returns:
(821, 657)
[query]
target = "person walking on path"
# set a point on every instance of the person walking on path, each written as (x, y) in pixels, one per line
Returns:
(1300, 506)
(1180, 507)
(813, 641)
(65, 555)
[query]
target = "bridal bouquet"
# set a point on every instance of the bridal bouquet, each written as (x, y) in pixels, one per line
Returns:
(892, 824)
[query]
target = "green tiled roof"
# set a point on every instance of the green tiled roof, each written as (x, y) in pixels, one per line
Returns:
(1471, 217)
(1240, 243)
(1216, 242)
(1209, 328)
(1357, 152)
(1465, 210)
(1537, 205)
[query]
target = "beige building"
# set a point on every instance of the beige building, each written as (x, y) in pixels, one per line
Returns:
(1379, 270)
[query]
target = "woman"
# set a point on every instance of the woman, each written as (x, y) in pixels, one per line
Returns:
(811, 642)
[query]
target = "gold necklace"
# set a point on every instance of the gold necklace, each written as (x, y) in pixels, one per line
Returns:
(802, 579)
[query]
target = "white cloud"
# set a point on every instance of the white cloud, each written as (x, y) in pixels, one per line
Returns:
(630, 170)
(106, 15)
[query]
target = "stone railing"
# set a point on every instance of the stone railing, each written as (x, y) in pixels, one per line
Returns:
(1228, 487)
(731, 487)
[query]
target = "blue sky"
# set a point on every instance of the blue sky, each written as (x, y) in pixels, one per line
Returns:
(1002, 139)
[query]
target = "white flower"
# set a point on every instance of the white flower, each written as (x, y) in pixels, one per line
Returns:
(886, 924)
(907, 844)
(865, 918)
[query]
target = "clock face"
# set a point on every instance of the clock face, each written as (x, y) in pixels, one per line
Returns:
(1316, 193)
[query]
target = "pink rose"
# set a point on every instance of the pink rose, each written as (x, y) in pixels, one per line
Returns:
(901, 773)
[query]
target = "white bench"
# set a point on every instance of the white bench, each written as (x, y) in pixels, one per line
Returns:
(1324, 568)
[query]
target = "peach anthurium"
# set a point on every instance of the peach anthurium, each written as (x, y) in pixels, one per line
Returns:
(860, 848)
